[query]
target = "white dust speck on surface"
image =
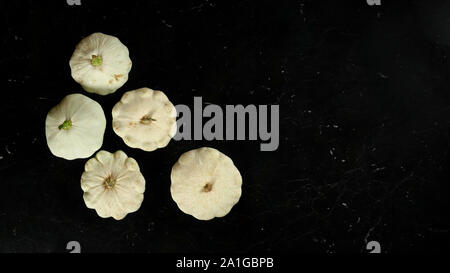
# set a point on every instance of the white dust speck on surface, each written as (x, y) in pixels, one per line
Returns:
(166, 24)
(332, 151)
(383, 76)
(8, 150)
(379, 169)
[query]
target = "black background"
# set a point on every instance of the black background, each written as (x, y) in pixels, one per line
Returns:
(364, 95)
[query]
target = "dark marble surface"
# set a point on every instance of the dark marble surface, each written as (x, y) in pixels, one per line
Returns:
(364, 95)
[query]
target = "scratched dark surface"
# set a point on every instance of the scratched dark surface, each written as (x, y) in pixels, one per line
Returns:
(364, 95)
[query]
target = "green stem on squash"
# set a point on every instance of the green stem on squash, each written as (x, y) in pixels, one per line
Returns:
(96, 60)
(66, 125)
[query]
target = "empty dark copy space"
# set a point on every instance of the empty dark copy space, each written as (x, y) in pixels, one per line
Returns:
(364, 97)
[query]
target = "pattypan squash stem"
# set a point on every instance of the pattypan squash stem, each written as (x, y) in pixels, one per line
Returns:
(66, 125)
(96, 60)
(207, 187)
(147, 120)
(109, 182)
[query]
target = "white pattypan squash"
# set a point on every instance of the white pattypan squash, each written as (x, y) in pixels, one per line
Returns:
(112, 184)
(75, 127)
(145, 119)
(100, 64)
(205, 183)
